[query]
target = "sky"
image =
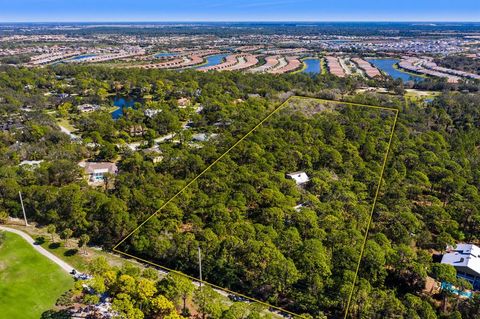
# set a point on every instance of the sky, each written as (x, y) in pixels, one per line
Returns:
(238, 10)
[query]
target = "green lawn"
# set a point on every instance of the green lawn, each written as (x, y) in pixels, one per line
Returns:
(29, 282)
(70, 255)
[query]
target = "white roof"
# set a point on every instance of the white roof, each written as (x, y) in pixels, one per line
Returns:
(203, 137)
(99, 167)
(31, 163)
(100, 170)
(299, 177)
(465, 257)
(151, 112)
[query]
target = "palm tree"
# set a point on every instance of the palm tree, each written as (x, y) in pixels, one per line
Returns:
(51, 229)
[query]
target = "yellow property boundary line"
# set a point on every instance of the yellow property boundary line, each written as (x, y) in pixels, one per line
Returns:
(232, 147)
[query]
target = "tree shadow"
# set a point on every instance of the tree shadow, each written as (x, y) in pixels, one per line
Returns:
(70, 252)
(52, 314)
(39, 240)
(54, 245)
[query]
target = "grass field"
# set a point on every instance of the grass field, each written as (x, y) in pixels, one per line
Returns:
(29, 282)
(72, 255)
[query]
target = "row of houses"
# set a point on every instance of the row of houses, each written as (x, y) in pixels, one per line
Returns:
(88, 107)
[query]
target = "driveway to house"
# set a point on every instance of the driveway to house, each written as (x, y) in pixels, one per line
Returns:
(39, 248)
(68, 132)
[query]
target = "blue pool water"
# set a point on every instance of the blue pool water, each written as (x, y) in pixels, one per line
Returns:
(214, 60)
(313, 66)
(448, 286)
(386, 65)
(121, 103)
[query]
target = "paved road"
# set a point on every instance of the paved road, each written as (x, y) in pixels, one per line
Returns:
(69, 268)
(40, 249)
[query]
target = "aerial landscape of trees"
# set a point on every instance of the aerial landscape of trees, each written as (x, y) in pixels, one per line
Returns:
(259, 233)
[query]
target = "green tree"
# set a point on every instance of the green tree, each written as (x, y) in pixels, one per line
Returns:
(66, 234)
(208, 302)
(51, 229)
(163, 308)
(3, 217)
(83, 241)
(98, 266)
(125, 308)
(178, 287)
(444, 272)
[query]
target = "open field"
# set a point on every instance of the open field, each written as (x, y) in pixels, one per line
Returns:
(71, 254)
(29, 282)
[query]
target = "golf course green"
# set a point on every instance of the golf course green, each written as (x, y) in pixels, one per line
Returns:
(29, 282)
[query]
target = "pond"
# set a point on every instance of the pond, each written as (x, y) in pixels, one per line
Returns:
(121, 102)
(387, 66)
(165, 54)
(312, 66)
(83, 56)
(214, 60)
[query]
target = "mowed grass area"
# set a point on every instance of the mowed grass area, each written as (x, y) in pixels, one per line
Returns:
(29, 282)
(72, 254)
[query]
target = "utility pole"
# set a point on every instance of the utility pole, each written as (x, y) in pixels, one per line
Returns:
(200, 271)
(200, 264)
(23, 208)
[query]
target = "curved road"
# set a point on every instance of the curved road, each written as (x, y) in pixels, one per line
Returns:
(39, 248)
(69, 268)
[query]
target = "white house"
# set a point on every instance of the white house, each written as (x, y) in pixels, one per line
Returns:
(96, 171)
(203, 137)
(299, 177)
(87, 108)
(466, 260)
(151, 112)
(31, 164)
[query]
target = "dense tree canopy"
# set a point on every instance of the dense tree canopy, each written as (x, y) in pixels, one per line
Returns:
(259, 232)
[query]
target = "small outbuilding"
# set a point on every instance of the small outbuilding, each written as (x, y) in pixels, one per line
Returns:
(31, 165)
(183, 102)
(299, 177)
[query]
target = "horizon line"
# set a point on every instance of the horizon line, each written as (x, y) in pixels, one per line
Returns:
(248, 21)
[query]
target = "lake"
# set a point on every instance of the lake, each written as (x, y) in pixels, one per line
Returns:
(214, 60)
(386, 65)
(84, 56)
(313, 66)
(165, 54)
(121, 102)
